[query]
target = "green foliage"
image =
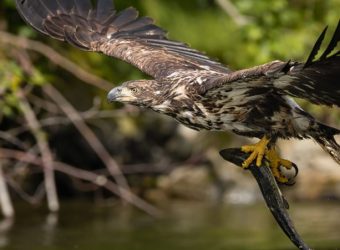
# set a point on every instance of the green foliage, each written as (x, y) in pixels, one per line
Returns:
(11, 77)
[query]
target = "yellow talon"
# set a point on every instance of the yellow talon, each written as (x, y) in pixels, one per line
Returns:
(275, 162)
(260, 150)
(257, 150)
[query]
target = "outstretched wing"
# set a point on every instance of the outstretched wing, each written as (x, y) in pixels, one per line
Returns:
(316, 80)
(122, 35)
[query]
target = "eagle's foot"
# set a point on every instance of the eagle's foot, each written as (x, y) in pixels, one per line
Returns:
(275, 164)
(257, 151)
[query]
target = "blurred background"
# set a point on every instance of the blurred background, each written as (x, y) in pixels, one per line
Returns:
(127, 178)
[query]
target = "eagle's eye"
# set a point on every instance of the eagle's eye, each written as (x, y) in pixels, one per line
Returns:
(134, 90)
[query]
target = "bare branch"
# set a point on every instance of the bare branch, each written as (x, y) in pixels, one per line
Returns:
(43, 104)
(34, 199)
(33, 123)
(18, 167)
(12, 140)
(88, 134)
(96, 179)
(233, 12)
(5, 200)
(61, 120)
(56, 58)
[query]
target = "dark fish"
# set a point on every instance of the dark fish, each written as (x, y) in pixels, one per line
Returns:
(271, 193)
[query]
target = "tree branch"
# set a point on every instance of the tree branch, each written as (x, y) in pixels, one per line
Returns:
(56, 58)
(62, 120)
(88, 134)
(32, 199)
(233, 12)
(96, 179)
(5, 200)
(47, 158)
(12, 140)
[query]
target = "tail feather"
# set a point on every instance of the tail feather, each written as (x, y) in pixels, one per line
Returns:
(325, 138)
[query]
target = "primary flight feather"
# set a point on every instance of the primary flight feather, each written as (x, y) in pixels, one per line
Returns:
(197, 91)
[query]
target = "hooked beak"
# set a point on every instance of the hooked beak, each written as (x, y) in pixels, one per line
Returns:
(114, 94)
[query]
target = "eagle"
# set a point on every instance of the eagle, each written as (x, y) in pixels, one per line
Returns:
(199, 92)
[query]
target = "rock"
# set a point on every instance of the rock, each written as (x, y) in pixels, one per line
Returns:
(240, 186)
(319, 175)
(187, 182)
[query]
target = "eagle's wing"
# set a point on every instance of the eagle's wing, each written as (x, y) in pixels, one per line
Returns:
(318, 81)
(122, 35)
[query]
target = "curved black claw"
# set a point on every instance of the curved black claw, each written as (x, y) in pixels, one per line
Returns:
(271, 193)
(291, 180)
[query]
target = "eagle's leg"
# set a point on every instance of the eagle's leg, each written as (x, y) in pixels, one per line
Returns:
(257, 151)
(266, 148)
(275, 162)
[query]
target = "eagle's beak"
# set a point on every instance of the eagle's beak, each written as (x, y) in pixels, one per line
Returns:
(114, 94)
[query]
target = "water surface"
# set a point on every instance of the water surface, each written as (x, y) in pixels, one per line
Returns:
(192, 226)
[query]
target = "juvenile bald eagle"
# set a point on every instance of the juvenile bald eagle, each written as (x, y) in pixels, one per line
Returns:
(197, 91)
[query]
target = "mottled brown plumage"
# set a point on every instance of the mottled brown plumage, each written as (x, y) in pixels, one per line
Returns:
(187, 85)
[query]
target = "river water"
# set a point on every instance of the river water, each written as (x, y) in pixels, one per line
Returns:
(186, 225)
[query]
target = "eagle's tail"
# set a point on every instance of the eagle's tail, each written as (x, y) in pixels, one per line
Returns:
(324, 136)
(81, 22)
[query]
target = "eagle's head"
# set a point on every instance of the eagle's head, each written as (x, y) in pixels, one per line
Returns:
(142, 93)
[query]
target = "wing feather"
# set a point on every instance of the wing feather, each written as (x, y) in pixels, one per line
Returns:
(122, 35)
(83, 7)
(104, 9)
(63, 5)
(49, 5)
(124, 18)
(317, 81)
(316, 48)
(333, 43)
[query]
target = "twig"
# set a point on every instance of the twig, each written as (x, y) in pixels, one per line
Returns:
(18, 166)
(5, 226)
(62, 120)
(43, 104)
(88, 134)
(5, 200)
(96, 179)
(47, 158)
(84, 186)
(56, 58)
(12, 140)
(233, 12)
(31, 199)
